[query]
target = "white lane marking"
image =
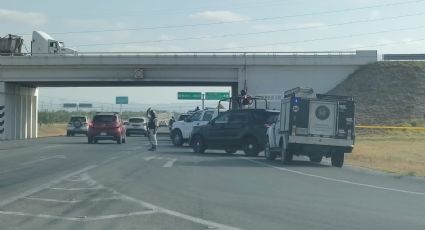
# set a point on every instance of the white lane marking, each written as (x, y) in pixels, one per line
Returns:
(169, 163)
(75, 189)
(174, 213)
(81, 219)
(72, 201)
(149, 158)
(335, 180)
(44, 158)
(43, 186)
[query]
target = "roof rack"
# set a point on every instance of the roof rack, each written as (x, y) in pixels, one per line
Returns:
(237, 101)
(333, 97)
(299, 92)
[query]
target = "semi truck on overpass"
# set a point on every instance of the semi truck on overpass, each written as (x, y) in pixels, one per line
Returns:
(41, 44)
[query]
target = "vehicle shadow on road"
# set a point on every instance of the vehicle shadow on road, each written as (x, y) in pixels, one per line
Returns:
(296, 163)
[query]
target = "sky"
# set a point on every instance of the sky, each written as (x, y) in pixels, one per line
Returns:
(389, 26)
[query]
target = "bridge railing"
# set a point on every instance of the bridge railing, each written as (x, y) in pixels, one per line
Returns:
(310, 53)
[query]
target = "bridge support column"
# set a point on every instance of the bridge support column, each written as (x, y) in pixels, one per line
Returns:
(18, 111)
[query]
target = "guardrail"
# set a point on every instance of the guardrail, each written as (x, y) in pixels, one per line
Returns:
(311, 53)
(403, 57)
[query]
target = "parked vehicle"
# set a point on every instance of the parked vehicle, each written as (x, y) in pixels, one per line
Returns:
(181, 130)
(107, 126)
(183, 116)
(136, 125)
(233, 130)
(77, 125)
(312, 125)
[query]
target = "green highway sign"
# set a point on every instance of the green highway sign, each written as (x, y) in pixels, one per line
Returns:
(85, 105)
(120, 100)
(70, 105)
(189, 95)
(216, 95)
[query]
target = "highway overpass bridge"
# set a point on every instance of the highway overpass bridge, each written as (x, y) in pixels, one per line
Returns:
(261, 73)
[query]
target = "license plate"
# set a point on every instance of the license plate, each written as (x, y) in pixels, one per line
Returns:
(102, 134)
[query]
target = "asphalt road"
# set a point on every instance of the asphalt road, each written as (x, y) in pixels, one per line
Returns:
(64, 183)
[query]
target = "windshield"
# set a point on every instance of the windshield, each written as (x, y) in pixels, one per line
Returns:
(74, 119)
(136, 120)
(105, 118)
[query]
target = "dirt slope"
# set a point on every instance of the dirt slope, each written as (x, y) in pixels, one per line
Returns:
(387, 92)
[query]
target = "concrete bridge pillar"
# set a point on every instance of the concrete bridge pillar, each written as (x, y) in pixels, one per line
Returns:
(18, 111)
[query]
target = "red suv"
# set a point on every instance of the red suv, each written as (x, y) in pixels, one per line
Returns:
(106, 126)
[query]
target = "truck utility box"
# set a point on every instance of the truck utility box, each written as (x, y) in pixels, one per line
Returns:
(317, 126)
(11, 45)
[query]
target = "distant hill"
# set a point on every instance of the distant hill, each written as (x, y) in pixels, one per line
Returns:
(387, 92)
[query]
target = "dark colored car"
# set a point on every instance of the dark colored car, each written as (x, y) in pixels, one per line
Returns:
(233, 130)
(107, 126)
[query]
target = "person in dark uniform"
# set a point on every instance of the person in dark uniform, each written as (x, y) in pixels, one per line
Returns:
(152, 128)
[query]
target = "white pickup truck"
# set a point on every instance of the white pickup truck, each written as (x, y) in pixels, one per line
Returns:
(316, 126)
(181, 130)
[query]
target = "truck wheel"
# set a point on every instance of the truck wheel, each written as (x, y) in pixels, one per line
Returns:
(230, 150)
(337, 159)
(198, 144)
(251, 147)
(177, 138)
(286, 155)
(316, 158)
(268, 153)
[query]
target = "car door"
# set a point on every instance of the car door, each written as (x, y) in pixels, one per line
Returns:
(190, 123)
(234, 130)
(216, 129)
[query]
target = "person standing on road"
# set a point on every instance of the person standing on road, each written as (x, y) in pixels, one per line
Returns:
(152, 128)
(171, 122)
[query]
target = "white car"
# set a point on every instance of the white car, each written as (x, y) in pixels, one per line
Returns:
(181, 130)
(77, 125)
(136, 125)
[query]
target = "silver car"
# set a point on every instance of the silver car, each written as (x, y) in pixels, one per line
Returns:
(77, 125)
(136, 125)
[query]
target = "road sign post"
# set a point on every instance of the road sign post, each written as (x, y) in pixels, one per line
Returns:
(121, 100)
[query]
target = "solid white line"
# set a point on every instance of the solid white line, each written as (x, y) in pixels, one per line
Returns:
(43, 159)
(80, 219)
(72, 201)
(43, 186)
(149, 158)
(335, 180)
(169, 163)
(75, 189)
(174, 213)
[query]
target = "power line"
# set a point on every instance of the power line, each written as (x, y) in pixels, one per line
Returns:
(244, 20)
(257, 33)
(323, 39)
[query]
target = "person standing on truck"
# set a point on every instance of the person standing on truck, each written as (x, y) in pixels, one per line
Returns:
(152, 128)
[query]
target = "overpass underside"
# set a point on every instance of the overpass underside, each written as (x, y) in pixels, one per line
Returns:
(261, 74)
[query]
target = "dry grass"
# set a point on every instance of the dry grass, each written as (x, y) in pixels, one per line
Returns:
(400, 152)
(51, 130)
